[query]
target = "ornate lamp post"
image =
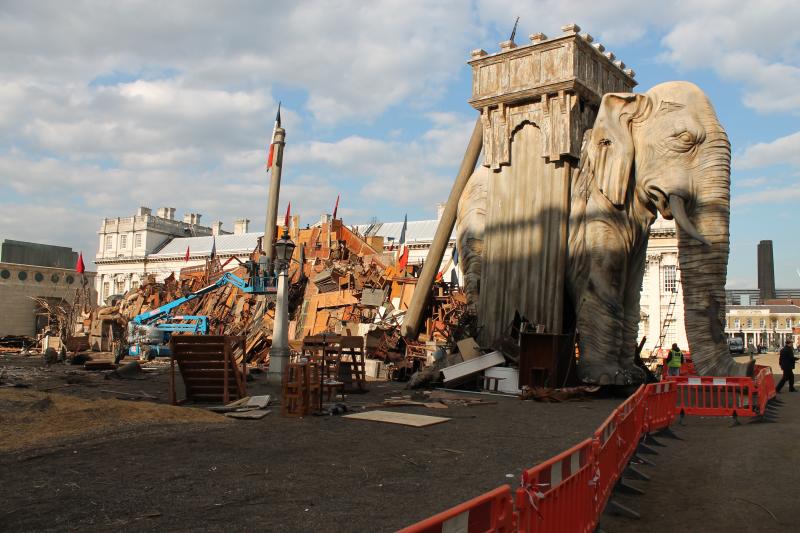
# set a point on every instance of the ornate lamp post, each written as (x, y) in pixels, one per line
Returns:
(279, 353)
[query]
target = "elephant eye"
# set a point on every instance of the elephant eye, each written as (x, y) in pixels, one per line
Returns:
(604, 142)
(686, 137)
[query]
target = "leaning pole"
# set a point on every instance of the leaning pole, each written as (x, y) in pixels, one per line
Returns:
(274, 192)
(413, 318)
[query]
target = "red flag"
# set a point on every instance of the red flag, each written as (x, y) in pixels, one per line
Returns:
(336, 207)
(403, 261)
(272, 142)
(79, 266)
(186, 257)
(288, 213)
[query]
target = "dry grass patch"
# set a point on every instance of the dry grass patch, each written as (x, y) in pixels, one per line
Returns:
(30, 419)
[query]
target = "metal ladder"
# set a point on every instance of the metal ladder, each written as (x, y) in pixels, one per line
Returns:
(667, 318)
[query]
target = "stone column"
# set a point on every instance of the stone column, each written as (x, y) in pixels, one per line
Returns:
(279, 352)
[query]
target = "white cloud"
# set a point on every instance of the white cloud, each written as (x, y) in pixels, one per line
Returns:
(770, 196)
(782, 150)
(752, 43)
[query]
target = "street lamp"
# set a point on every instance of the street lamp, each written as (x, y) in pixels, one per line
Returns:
(279, 352)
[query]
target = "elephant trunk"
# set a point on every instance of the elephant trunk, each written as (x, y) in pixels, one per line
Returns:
(704, 265)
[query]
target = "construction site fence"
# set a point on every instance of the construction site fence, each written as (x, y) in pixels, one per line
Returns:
(725, 396)
(569, 491)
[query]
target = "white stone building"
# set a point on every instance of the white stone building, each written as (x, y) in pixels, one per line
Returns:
(128, 246)
(661, 298)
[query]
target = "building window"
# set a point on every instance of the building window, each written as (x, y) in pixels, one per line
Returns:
(669, 273)
(70, 279)
(749, 322)
(774, 323)
(137, 240)
(54, 278)
(123, 241)
(737, 324)
(106, 288)
(788, 322)
(134, 284)
(120, 286)
(5, 274)
(762, 323)
(109, 242)
(38, 276)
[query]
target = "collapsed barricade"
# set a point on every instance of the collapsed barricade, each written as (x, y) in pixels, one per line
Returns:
(570, 491)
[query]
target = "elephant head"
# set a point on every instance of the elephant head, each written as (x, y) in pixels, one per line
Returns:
(666, 151)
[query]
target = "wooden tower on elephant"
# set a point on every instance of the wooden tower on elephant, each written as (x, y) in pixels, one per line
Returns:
(536, 101)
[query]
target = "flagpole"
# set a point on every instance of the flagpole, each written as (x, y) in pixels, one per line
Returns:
(274, 193)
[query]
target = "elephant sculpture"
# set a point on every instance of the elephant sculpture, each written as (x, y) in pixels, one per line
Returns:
(662, 151)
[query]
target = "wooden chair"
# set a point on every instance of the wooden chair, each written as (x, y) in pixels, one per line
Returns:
(352, 367)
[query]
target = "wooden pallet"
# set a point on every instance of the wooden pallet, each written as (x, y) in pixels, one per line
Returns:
(208, 368)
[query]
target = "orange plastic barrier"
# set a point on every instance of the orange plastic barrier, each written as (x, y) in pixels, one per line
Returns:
(715, 396)
(559, 494)
(606, 450)
(765, 387)
(660, 402)
(490, 512)
(630, 422)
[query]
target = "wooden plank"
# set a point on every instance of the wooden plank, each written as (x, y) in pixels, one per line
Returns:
(404, 419)
(255, 414)
(201, 365)
(468, 348)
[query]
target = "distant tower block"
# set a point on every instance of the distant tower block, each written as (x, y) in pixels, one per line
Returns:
(766, 271)
(536, 102)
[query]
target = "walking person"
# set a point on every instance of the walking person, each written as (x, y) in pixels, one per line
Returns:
(674, 360)
(787, 360)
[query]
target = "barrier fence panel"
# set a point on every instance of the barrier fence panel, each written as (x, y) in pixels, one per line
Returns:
(490, 512)
(606, 452)
(559, 494)
(764, 387)
(630, 420)
(660, 402)
(715, 396)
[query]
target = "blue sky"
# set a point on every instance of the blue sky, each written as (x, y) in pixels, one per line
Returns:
(105, 107)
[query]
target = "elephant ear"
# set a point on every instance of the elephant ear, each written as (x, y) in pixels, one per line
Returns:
(612, 143)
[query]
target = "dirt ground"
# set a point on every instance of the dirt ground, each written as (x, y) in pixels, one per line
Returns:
(274, 474)
(184, 473)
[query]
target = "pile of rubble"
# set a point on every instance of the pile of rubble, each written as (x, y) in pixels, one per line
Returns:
(340, 283)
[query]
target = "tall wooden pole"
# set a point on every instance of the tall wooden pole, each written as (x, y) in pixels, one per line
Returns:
(413, 318)
(274, 193)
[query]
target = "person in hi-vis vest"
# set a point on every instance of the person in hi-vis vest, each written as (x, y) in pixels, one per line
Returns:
(674, 360)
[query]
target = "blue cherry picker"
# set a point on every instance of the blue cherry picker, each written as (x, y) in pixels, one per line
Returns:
(149, 333)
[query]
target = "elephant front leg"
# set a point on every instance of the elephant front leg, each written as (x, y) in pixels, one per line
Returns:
(600, 315)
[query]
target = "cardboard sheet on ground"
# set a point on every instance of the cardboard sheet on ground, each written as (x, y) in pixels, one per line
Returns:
(405, 419)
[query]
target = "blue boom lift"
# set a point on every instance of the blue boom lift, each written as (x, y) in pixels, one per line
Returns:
(149, 332)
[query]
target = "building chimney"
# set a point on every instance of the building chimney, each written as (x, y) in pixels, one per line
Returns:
(197, 218)
(188, 218)
(171, 213)
(162, 212)
(216, 227)
(143, 211)
(240, 226)
(766, 271)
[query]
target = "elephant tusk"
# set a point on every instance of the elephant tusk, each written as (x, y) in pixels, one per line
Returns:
(679, 214)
